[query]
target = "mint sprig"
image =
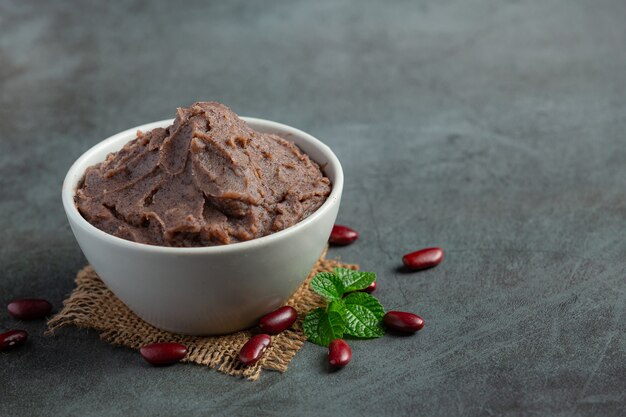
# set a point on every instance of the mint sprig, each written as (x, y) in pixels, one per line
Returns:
(328, 286)
(322, 327)
(352, 313)
(354, 280)
(363, 316)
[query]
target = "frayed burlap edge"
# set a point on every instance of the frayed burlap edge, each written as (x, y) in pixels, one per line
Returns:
(92, 305)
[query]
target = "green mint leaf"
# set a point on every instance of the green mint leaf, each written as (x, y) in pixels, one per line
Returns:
(328, 285)
(363, 316)
(354, 280)
(322, 327)
(337, 307)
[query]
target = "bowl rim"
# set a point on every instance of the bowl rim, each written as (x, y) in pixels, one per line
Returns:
(72, 179)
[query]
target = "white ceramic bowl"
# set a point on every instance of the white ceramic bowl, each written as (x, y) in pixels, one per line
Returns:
(208, 290)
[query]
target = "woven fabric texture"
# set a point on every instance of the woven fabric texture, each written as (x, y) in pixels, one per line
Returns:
(92, 305)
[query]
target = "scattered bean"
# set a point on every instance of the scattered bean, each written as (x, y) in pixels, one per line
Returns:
(29, 308)
(423, 258)
(403, 322)
(342, 235)
(163, 353)
(12, 338)
(339, 353)
(254, 349)
(278, 320)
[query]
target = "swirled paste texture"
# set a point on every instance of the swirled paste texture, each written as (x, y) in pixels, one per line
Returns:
(208, 179)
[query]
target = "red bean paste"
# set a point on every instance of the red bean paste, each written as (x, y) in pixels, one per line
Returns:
(208, 179)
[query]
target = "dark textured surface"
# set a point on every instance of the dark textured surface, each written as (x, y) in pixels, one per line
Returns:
(494, 129)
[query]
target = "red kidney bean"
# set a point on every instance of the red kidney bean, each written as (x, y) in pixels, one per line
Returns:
(371, 288)
(163, 353)
(254, 349)
(339, 353)
(342, 235)
(29, 308)
(423, 258)
(12, 338)
(278, 320)
(403, 322)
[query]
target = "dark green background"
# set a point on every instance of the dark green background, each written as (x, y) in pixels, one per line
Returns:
(494, 129)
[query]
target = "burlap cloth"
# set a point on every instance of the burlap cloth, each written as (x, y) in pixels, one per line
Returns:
(92, 305)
